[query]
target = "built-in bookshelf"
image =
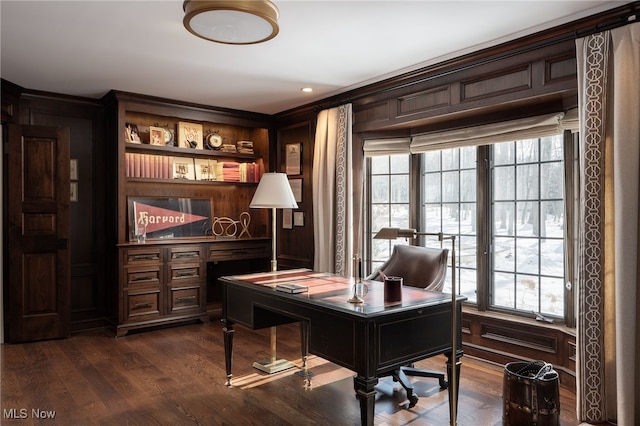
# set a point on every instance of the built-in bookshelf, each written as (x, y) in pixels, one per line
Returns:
(178, 163)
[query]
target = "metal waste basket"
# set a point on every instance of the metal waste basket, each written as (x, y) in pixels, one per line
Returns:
(531, 394)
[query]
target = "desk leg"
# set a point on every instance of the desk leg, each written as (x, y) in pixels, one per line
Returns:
(366, 393)
(453, 387)
(228, 347)
(304, 345)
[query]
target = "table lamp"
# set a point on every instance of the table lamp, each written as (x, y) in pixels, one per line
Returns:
(394, 233)
(273, 192)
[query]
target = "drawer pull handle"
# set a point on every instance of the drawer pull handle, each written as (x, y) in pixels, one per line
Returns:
(185, 299)
(143, 305)
(143, 278)
(185, 255)
(182, 274)
(145, 257)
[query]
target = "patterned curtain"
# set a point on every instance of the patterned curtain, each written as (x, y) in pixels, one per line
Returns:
(333, 192)
(608, 324)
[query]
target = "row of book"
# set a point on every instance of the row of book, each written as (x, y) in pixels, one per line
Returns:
(245, 147)
(230, 171)
(151, 166)
(148, 166)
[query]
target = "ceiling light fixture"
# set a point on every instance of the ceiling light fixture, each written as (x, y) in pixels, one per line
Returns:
(307, 89)
(231, 22)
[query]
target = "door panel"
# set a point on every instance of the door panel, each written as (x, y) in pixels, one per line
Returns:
(38, 213)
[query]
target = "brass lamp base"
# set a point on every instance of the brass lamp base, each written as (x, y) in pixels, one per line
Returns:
(273, 367)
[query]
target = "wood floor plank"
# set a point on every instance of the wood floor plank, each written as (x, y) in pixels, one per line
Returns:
(176, 376)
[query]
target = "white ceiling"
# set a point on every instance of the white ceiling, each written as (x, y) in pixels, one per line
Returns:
(86, 48)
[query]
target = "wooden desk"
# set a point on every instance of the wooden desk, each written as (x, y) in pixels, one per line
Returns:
(371, 339)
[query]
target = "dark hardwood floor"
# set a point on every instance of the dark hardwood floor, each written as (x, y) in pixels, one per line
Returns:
(176, 376)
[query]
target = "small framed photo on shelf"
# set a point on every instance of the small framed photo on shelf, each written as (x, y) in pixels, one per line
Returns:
(131, 133)
(183, 168)
(205, 169)
(156, 136)
(298, 218)
(189, 135)
(293, 158)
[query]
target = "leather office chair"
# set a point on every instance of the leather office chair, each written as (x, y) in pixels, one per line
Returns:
(421, 267)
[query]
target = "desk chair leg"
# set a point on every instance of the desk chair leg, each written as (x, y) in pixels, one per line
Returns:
(417, 372)
(402, 378)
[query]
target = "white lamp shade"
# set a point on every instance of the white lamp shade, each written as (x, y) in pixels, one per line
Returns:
(274, 192)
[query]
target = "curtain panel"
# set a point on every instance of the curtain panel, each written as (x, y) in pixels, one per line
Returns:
(333, 214)
(608, 331)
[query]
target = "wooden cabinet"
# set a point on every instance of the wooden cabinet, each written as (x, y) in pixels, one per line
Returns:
(186, 272)
(141, 284)
(165, 280)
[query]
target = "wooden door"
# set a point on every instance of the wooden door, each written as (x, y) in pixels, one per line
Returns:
(39, 305)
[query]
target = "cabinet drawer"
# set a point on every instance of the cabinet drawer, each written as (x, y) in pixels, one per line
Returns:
(143, 276)
(142, 255)
(143, 305)
(185, 298)
(183, 272)
(239, 250)
(186, 253)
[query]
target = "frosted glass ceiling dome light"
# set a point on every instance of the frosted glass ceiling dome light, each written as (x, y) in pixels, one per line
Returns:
(231, 22)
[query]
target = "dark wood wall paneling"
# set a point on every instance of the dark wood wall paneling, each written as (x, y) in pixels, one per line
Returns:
(85, 121)
(295, 248)
(502, 339)
(526, 84)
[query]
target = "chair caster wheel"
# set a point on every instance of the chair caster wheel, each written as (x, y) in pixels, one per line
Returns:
(444, 384)
(413, 401)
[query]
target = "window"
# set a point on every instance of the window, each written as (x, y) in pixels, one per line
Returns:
(507, 197)
(527, 226)
(449, 206)
(389, 201)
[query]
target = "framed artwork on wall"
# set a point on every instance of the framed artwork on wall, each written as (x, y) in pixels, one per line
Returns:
(158, 217)
(287, 218)
(73, 169)
(73, 192)
(296, 188)
(293, 158)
